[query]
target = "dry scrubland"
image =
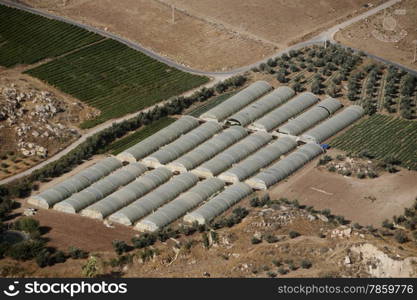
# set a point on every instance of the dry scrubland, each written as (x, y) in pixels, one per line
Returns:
(264, 244)
(208, 34)
(360, 35)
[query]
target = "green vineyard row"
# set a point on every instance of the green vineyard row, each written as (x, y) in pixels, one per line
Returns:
(27, 38)
(382, 136)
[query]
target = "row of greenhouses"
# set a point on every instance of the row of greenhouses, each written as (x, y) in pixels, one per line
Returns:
(184, 169)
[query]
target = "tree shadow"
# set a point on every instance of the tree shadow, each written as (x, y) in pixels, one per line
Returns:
(44, 229)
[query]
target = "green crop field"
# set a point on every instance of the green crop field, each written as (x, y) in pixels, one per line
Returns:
(210, 104)
(27, 38)
(139, 135)
(115, 79)
(382, 136)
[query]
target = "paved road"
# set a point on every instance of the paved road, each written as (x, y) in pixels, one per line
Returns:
(217, 76)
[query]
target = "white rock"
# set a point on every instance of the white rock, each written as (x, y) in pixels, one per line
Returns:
(347, 260)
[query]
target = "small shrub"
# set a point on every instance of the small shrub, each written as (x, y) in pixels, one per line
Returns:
(306, 264)
(282, 271)
(340, 157)
(326, 159)
(292, 266)
(361, 175)
(387, 224)
(277, 263)
(25, 250)
(120, 247)
(147, 254)
(346, 173)
(255, 241)
(400, 237)
(206, 242)
(76, 253)
(59, 257)
(271, 239)
(27, 224)
(271, 274)
(332, 169)
(294, 234)
(42, 258)
(144, 240)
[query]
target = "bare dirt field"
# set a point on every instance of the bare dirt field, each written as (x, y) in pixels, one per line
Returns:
(189, 41)
(73, 230)
(390, 34)
(205, 36)
(366, 201)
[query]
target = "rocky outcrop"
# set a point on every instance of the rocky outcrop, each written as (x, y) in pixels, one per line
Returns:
(33, 116)
(381, 264)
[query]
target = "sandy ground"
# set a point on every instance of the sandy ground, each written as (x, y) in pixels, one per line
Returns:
(366, 201)
(73, 230)
(209, 35)
(390, 34)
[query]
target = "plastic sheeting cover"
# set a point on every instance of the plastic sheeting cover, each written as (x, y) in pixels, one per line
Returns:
(219, 204)
(209, 149)
(286, 111)
(262, 106)
(185, 143)
(179, 206)
(127, 194)
(318, 113)
(101, 188)
(76, 183)
(237, 102)
(145, 205)
(285, 167)
(259, 160)
(161, 138)
(333, 125)
(233, 154)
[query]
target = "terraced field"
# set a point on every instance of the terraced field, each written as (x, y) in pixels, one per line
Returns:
(382, 136)
(134, 138)
(27, 38)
